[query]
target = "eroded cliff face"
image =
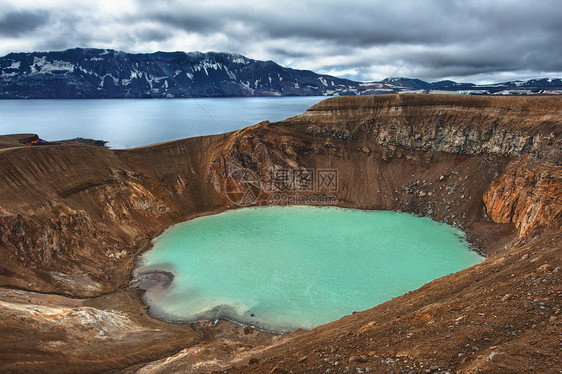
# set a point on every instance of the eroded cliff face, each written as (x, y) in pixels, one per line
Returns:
(73, 218)
(441, 185)
(527, 194)
(464, 125)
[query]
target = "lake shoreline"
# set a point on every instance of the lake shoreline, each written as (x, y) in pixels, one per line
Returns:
(133, 123)
(155, 276)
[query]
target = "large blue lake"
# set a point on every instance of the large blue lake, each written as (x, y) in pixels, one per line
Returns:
(136, 122)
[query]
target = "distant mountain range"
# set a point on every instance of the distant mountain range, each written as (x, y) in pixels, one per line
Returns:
(101, 73)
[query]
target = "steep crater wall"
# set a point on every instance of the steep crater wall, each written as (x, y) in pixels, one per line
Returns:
(454, 124)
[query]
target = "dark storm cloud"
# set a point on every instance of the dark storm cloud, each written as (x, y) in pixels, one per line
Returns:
(358, 39)
(536, 51)
(153, 34)
(288, 53)
(362, 25)
(355, 24)
(16, 23)
(187, 22)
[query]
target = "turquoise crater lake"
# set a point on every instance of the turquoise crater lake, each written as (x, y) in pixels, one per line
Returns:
(283, 268)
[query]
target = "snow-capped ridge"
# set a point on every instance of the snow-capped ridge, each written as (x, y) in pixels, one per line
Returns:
(107, 73)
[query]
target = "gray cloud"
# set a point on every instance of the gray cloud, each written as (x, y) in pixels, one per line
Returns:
(466, 40)
(151, 34)
(13, 24)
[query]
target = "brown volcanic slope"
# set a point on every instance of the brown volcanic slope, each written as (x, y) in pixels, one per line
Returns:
(73, 218)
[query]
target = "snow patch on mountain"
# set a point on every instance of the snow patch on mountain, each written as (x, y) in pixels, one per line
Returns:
(42, 66)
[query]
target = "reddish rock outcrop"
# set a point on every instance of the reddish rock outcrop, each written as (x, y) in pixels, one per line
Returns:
(529, 194)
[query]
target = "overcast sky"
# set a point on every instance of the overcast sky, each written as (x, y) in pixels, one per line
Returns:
(477, 41)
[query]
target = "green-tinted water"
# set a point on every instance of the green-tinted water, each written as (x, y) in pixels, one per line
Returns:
(281, 268)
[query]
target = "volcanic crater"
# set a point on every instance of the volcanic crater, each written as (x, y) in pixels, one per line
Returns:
(74, 217)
